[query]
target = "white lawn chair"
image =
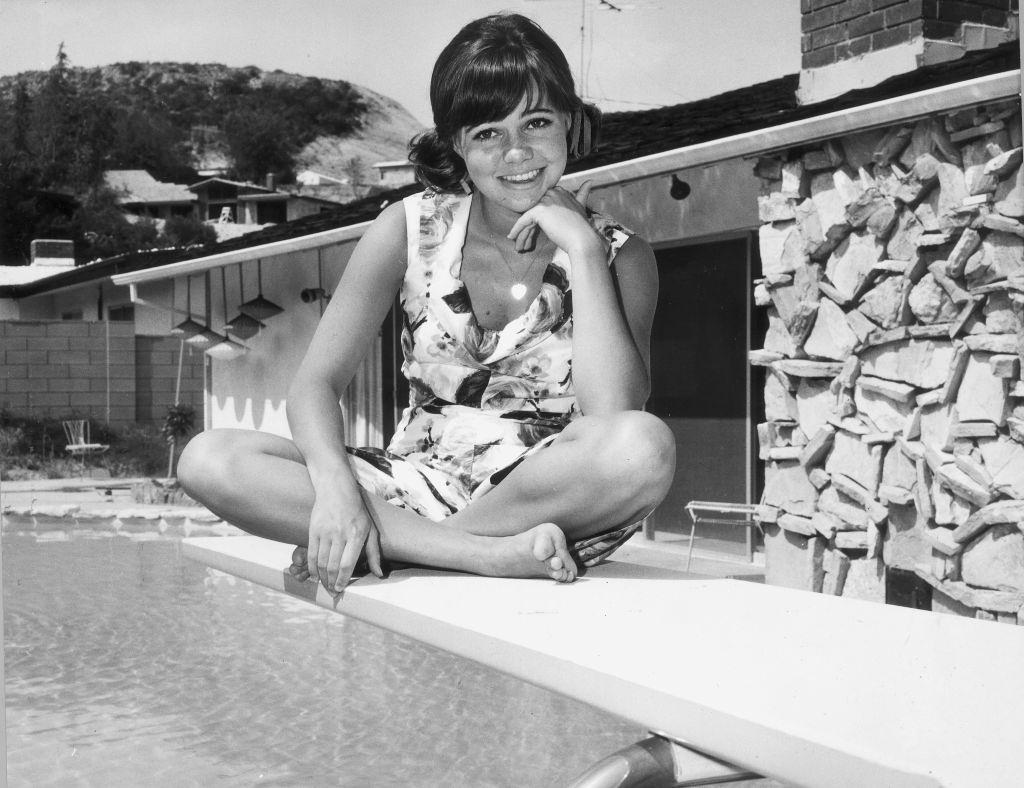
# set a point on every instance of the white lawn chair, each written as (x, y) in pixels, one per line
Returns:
(718, 513)
(80, 441)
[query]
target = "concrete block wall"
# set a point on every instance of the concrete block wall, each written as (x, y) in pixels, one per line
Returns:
(61, 368)
(836, 30)
(156, 364)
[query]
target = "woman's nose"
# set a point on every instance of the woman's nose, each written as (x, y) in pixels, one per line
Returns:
(518, 149)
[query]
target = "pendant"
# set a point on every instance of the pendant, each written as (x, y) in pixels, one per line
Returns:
(518, 290)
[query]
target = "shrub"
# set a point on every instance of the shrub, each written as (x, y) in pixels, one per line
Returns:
(188, 231)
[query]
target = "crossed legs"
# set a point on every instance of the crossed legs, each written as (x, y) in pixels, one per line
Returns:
(601, 471)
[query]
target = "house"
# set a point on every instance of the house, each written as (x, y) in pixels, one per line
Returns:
(221, 199)
(141, 194)
(393, 174)
(714, 186)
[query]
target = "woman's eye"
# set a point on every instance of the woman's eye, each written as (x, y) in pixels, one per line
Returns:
(539, 123)
(484, 134)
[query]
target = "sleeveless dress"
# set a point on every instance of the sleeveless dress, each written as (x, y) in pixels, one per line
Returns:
(480, 400)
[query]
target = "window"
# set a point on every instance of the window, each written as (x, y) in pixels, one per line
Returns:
(121, 314)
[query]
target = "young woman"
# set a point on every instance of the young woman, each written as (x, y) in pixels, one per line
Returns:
(524, 450)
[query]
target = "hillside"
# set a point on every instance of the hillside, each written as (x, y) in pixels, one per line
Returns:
(198, 109)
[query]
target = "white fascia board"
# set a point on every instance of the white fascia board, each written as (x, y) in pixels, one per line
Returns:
(801, 132)
(338, 235)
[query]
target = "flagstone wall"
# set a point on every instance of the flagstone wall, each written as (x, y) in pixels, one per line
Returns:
(893, 278)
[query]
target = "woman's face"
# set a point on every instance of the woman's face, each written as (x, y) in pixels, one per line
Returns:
(515, 160)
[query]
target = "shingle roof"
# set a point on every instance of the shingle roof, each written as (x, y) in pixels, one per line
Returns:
(625, 135)
(138, 186)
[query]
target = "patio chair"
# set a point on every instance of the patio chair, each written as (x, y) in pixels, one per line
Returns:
(718, 513)
(80, 441)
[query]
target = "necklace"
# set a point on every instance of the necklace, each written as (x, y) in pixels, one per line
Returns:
(518, 288)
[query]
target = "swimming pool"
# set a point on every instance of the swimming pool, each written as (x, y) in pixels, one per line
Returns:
(127, 664)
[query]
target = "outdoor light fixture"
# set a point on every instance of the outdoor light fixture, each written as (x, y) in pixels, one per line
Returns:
(311, 294)
(242, 325)
(259, 307)
(680, 189)
(188, 327)
(226, 349)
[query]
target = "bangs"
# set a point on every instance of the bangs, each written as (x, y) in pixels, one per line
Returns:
(494, 85)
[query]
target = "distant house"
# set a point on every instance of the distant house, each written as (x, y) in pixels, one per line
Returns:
(220, 199)
(394, 174)
(141, 194)
(313, 178)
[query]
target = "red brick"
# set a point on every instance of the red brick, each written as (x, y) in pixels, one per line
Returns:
(890, 38)
(903, 13)
(830, 35)
(817, 19)
(821, 57)
(853, 9)
(863, 25)
(854, 47)
(937, 30)
(877, 4)
(953, 11)
(816, 5)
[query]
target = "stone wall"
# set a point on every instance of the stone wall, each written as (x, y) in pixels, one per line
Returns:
(893, 264)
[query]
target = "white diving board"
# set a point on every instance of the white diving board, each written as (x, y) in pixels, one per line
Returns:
(805, 688)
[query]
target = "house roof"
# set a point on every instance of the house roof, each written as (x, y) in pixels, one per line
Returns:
(138, 186)
(625, 136)
(240, 184)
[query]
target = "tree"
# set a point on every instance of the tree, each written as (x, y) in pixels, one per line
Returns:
(259, 142)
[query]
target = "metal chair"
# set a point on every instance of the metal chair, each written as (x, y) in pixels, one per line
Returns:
(716, 512)
(80, 441)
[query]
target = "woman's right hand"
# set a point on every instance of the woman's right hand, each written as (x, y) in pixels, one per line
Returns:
(339, 530)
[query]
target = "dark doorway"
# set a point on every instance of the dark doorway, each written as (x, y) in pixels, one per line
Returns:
(701, 383)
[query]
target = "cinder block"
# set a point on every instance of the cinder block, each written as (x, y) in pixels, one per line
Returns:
(126, 371)
(24, 357)
(156, 357)
(166, 371)
(68, 356)
(69, 384)
(69, 328)
(26, 329)
(46, 371)
(51, 399)
(16, 371)
(85, 342)
(16, 403)
(47, 343)
(26, 385)
(95, 401)
(8, 344)
(120, 385)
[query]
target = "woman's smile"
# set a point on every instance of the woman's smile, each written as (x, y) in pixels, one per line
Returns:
(522, 178)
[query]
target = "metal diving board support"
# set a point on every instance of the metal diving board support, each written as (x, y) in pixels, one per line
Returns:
(714, 512)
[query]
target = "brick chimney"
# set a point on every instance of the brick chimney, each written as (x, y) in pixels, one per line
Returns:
(849, 44)
(53, 252)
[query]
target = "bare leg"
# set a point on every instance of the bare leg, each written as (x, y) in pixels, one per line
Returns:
(257, 482)
(601, 472)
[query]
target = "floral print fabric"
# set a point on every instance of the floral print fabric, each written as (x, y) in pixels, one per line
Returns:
(481, 400)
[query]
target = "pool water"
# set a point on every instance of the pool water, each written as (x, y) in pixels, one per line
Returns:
(127, 664)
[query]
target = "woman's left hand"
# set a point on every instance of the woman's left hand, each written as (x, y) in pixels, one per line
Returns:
(562, 216)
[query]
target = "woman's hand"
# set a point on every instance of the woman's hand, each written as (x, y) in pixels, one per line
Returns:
(562, 216)
(339, 530)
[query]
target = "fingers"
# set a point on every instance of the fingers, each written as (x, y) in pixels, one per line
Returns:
(583, 193)
(522, 223)
(311, 556)
(328, 561)
(347, 564)
(373, 553)
(526, 240)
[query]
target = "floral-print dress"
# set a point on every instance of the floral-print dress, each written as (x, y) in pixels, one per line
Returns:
(481, 400)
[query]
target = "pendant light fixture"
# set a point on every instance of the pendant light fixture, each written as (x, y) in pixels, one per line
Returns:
(188, 327)
(242, 325)
(205, 338)
(259, 307)
(227, 348)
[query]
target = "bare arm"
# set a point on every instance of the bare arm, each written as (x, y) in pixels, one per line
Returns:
(613, 308)
(340, 524)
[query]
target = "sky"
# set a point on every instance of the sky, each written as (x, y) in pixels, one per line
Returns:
(649, 53)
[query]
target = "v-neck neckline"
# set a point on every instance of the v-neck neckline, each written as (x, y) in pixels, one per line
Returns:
(457, 277)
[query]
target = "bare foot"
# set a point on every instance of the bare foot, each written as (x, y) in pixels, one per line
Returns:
(539, 552)
(299, 568)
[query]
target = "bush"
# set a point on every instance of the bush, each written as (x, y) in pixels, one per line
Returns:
(34, 448)
(188, 231)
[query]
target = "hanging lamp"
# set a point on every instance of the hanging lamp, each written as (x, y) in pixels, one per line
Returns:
(188, 327)
(227, 348)
(259, 307)
(205, 338)
(242, 325)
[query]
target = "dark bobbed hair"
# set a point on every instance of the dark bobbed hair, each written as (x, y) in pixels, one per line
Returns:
(481, 76)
